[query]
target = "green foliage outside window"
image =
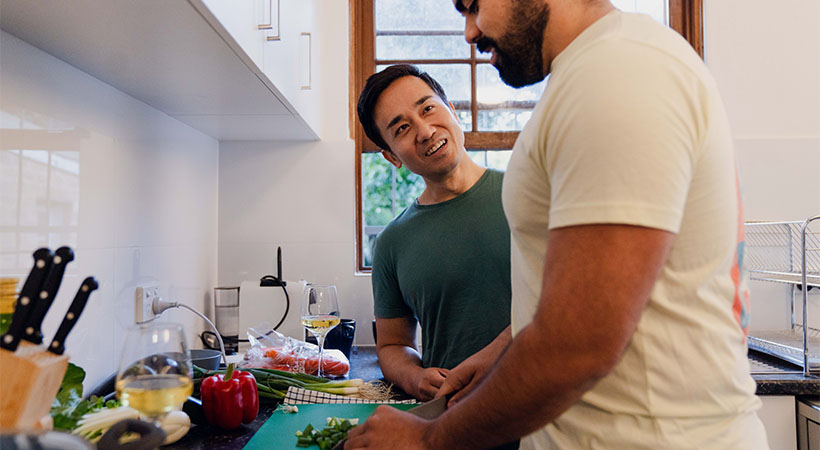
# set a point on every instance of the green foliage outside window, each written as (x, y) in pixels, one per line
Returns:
(386, 192)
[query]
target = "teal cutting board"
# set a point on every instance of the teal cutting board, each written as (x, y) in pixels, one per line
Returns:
(279, 432)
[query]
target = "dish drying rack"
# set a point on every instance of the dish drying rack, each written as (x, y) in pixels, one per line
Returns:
(787, 252)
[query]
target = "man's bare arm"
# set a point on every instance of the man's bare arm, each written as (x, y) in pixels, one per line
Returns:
(466, 376)
(596, 283)
(400, 361)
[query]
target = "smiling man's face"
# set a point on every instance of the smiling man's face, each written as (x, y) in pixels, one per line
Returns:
(421, 130)
(512, 31)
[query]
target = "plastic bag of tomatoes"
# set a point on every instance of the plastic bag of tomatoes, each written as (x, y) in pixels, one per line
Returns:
(273, 350)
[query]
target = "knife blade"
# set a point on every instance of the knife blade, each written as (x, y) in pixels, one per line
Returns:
(28, 296)
(77, 305)
(430, 410)
(48, 291)
(427, 410)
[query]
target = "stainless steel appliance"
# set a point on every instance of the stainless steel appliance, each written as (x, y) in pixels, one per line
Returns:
(808, 423)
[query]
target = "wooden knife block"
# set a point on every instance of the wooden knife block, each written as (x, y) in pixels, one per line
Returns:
(31, 379)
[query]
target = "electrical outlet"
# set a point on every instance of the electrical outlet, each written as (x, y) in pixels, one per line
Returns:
(144, 298)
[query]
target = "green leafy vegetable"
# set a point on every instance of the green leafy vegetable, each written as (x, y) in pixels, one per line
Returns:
(326, 438)
(68, 398)
(68, 407)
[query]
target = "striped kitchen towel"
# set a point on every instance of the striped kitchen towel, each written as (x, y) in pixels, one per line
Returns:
(299, 396)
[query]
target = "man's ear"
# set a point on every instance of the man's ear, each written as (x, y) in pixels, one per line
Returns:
(452, 108)
(391, 158)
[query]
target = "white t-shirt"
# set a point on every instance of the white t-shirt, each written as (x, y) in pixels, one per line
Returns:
(631, 130)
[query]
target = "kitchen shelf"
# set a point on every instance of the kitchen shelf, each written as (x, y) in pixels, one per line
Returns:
(788, 345)
(764, 364)
(774, 252)
(787, 252)
(173, 55)
(788, 278)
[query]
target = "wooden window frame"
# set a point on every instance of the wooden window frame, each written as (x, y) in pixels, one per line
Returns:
(685, 17)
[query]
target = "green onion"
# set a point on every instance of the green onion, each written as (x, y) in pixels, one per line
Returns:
(326, 438)
(273, 385)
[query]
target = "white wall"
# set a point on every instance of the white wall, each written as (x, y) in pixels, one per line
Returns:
(132, 190)
(766, 59)
(299, 196)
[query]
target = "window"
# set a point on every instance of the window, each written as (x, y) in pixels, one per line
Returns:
(429, 34)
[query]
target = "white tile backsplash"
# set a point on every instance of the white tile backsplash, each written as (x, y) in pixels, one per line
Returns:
(132, 190)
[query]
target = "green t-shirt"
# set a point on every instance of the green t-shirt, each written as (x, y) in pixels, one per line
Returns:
(448, 265)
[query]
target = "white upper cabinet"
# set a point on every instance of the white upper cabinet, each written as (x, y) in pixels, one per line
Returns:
(280, 37)
(242, 20)
(291, 58)
(200, 61)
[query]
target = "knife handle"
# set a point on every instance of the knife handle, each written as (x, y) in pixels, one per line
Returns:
(58, 344)
(28, 296)
(62, 257)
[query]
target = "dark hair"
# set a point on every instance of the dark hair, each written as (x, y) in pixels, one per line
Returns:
(376, 84)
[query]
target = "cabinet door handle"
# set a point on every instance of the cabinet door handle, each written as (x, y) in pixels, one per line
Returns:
(306, 81)
(270, 25)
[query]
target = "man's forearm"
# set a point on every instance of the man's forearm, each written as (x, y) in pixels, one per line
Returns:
(400, 364)
(500, 343)
(512, 400)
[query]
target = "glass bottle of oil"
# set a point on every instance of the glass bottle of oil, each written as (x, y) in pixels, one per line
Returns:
(8, 296)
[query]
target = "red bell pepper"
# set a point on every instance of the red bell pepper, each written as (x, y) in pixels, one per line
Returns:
(230, 400)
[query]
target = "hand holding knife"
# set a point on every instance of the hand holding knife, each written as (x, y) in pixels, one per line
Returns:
(427, 410)
(28, 296)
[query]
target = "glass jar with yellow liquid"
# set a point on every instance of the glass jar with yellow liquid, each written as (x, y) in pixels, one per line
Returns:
(8, 298)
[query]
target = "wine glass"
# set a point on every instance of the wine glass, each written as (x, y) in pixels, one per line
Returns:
(320, 313)
(155, 374)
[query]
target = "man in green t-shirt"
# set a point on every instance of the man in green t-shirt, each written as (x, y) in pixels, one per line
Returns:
(444, 262)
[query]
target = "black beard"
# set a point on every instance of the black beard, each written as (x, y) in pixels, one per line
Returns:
(519, 60)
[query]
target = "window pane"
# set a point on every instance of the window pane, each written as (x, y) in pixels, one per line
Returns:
(654, 8)
(492, 91)
(455, 80)
(502, 108)
(422, 47)
(502, 120)
(493, 159)
(417, 15)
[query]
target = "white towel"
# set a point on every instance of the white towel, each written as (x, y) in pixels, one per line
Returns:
(299, 396)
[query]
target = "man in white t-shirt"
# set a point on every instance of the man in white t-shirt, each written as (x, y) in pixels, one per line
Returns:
(629, 308)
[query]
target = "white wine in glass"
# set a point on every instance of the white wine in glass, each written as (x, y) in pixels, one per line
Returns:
(320, 313)
(155, 374)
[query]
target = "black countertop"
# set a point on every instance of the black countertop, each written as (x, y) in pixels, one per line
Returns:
(365, 365)
(776, 377)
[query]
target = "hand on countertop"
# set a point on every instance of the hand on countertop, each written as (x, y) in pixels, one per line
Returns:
(465, 377)
(429, 382)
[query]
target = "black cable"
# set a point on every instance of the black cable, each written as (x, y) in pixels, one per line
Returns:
(287, 307)
(272, 280)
